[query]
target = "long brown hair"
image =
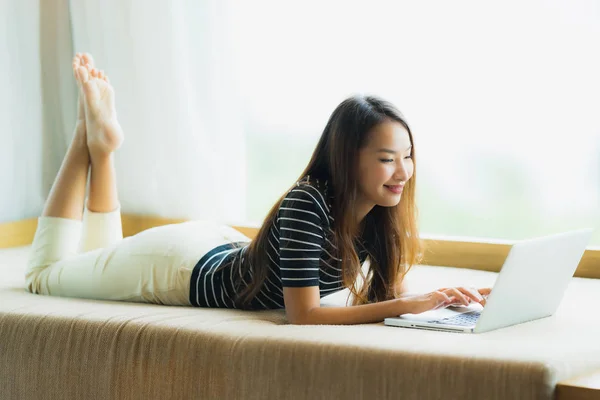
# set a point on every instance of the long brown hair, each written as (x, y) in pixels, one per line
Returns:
(389, 234)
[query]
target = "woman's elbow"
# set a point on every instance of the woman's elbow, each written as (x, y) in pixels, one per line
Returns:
(300, 318)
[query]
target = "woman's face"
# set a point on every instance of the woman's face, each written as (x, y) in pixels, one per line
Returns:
(385, 165)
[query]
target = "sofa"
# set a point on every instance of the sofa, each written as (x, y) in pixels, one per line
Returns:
(68, 348)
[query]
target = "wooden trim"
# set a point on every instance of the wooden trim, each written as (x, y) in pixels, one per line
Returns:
(133, 223)
(490, 255)
(19, 233)
(585, 387)
(485, 256)
(450, 252)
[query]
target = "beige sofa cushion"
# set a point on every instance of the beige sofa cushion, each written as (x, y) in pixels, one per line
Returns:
(65, 348)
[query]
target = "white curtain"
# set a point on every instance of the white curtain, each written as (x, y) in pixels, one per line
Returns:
(183, 154)
(176, 97)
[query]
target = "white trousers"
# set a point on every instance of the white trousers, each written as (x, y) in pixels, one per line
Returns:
(90, 259)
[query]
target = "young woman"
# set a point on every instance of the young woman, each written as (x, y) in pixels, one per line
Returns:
(354, 202)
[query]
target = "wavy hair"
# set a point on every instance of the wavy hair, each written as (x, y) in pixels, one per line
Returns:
(389, 234)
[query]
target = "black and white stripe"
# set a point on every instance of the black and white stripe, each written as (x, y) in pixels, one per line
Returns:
(300, 250)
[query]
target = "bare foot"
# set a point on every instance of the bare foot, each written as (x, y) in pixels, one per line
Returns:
(78, 61)
(104, 133)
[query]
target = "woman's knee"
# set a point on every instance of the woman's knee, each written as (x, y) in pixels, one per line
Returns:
(32, 277)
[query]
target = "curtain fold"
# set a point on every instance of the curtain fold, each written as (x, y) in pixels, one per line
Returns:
(36, 102)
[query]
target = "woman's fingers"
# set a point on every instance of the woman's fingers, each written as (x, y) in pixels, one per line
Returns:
(465, 295)
(441, 299)
(458, 295)
(471, 294)
(485, 292)
(454, 302)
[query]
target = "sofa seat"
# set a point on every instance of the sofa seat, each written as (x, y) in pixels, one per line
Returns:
(68, 348)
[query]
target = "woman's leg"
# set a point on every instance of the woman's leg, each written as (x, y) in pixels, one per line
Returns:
(102, 214)
(104, 133)
(97, 135)
(66, 198)
(59, 227)
(154, 266)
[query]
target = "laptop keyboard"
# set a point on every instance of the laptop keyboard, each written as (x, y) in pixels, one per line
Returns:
(465, 319)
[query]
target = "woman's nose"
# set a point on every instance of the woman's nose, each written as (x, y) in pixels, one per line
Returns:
(401, 172)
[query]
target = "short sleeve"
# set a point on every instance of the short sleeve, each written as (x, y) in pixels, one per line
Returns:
(301, 239)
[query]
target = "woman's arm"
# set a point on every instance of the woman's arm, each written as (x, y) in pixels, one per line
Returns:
(302, 307)
(363, 314)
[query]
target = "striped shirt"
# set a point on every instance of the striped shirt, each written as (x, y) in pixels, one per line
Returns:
(300, 250)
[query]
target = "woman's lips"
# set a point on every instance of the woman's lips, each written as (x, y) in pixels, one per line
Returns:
(395, 189)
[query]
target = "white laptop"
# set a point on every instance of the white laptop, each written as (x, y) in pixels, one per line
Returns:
(530, 285)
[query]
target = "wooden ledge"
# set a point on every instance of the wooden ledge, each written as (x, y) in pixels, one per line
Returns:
(19, 233)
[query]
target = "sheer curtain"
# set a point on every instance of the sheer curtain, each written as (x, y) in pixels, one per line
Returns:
(184, 152)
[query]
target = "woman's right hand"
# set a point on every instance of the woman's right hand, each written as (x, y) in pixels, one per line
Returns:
(416, 304)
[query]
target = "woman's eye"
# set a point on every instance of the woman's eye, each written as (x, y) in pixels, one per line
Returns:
(389, 160)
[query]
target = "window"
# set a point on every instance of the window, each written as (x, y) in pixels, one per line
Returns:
(502, 98)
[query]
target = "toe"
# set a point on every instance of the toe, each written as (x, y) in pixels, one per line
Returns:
(87, 59)
(76, 63)
(76, 74)
(83, 74)
(101, 74)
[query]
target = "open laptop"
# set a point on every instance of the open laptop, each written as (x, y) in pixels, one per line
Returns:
(530, 286)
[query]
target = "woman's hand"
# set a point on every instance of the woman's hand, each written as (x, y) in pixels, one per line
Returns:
(416, 304)
(463, 296)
